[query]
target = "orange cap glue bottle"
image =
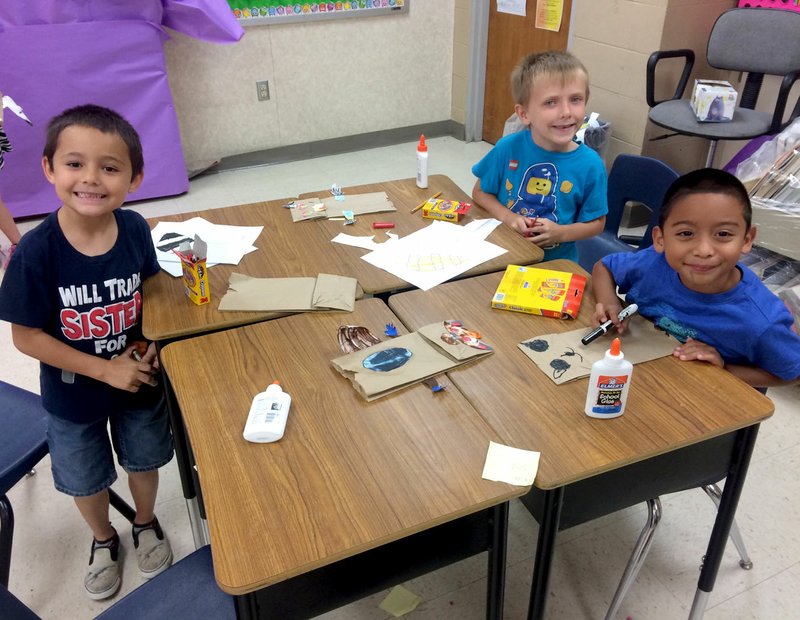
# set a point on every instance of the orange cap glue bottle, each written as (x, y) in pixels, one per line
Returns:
(609, 384)
(422, 163)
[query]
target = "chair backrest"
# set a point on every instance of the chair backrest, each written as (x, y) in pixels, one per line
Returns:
(640, 179)
(756, 40)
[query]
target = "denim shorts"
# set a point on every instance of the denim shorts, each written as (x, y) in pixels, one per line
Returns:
(81, 455)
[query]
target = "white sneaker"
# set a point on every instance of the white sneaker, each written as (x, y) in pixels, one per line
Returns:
(103, 578)
(153, 552)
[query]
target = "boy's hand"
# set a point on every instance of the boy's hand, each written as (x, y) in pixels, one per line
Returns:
(151, 357)
(125, 373)
(520, 223)
(604, 312)
(700, 351)
(544, 232)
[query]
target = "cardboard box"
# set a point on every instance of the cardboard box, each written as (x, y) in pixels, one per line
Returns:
(195, 273)
(713, 101)
(544, 292)
(447, 210)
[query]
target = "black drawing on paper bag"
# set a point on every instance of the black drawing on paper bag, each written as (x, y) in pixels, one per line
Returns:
(540, 346)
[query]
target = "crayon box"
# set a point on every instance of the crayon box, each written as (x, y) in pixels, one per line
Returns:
(544, 292)
(195, 272)
(447, 210)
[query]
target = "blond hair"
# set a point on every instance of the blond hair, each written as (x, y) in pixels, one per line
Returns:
(540, 64)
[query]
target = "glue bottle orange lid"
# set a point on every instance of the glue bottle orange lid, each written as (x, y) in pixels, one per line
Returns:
(615, 347)
(422, 147)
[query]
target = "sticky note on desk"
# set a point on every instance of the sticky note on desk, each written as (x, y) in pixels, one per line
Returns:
(511, 465)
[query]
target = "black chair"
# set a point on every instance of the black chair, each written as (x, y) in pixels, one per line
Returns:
(633, 178)
(752, 40)
(22, 446)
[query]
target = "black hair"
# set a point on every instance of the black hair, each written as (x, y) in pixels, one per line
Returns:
(706, 181)
(102, 119)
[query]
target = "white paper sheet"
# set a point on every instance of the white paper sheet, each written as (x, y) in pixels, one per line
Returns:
(482, 228)
(514, 7)
(226, 244)
(368, 243)
(511, 465)
(433, 254)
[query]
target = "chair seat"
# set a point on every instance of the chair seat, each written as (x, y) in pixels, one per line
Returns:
(22, 440)
(677, 115)
(186, 590)
(13, 608)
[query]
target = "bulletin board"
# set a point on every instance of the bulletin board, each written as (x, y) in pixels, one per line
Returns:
(265, 12)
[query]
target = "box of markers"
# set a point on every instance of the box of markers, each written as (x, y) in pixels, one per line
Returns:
(545, 292)
(447, 210)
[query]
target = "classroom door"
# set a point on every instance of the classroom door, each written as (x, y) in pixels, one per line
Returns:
(510, 38)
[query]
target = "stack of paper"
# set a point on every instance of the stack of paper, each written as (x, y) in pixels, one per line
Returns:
(226, 244)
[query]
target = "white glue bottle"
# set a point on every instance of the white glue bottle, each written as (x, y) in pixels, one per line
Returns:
(267, 418)
(422, 163)
(608, 384)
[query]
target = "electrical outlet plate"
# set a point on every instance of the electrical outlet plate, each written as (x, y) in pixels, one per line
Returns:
(262, 89)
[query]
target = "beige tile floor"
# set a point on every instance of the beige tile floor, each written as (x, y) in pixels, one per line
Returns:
(51, 543)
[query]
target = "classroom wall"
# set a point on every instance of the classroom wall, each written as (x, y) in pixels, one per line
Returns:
(328, 79)
(461, 44)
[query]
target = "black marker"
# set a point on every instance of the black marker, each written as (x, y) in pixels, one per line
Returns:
(604, 327)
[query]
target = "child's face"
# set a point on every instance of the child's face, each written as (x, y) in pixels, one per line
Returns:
(703, 238)
(555, 110)
(91, 171)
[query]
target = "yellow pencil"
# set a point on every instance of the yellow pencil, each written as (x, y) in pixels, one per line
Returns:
(422, 204)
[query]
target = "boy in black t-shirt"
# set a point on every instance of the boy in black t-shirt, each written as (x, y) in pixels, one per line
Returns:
(72, 292)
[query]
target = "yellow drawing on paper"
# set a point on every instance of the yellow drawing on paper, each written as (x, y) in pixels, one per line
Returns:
(426, 263)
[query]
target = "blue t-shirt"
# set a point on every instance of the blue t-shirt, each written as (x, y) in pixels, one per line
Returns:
(563, 187)
(91, 303)
(748, 325)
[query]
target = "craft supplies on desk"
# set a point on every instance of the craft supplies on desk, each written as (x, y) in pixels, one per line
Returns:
(544, 292)
(422, 163)
(324, 292)
(446, 210)
(422, 204)
(609, 384)
(193, 257)
(266, 421)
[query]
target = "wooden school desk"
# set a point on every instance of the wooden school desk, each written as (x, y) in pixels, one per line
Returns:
(388, 490)
(287, 249)
(679, 415)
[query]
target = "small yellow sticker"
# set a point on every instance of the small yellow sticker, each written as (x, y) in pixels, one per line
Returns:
(566, 187)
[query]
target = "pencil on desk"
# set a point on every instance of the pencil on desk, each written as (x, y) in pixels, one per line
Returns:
(422, 204)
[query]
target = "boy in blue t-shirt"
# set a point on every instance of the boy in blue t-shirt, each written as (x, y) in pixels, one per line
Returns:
(73, 294)
(540, 182)
(691, 285)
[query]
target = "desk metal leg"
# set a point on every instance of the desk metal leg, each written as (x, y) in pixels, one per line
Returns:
(548, 528)
(246, 607)
(737, 472)
(498, 536)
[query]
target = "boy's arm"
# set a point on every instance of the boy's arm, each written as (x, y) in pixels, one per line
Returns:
(122, 372)
(494, 207)
(547, 232)
(605, 293)
(702, 352)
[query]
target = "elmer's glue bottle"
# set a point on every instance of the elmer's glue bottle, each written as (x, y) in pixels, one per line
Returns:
(608, 384)
(422, 163)
(267, 418)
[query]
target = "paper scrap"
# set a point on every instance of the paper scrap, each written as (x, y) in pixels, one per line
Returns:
(511, 465)
(368, 243)
(400, 601)
(514, 7)
(482, 228)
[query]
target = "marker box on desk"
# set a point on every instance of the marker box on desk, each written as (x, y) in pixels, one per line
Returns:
(195, 273)
(544, 292)
(713, 101)
(447, 210)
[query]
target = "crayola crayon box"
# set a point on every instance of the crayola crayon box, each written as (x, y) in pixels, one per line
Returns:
(545, 292)
(195, 272)
(447, 210)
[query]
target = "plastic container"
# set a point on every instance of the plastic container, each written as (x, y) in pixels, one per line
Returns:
(422, 163)
(266, 421)
(609, 384)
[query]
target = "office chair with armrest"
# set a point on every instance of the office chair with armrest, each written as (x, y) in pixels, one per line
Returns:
(22, 445)
(633, 178)
(752, 40)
